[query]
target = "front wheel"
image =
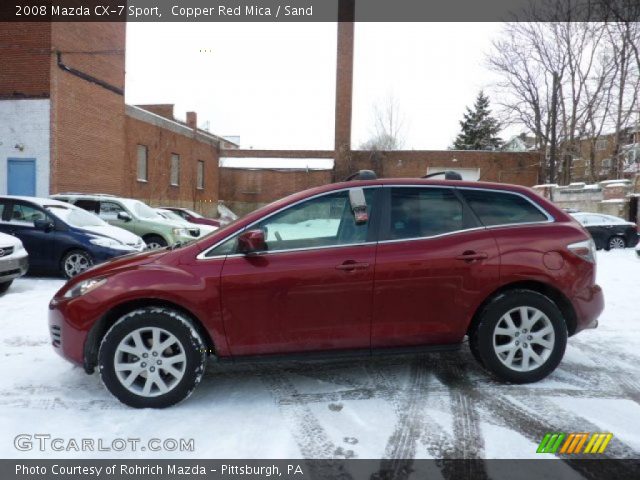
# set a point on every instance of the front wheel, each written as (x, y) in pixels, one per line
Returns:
(152, 358)
(75, 262)
(521, 336)
(155, 241)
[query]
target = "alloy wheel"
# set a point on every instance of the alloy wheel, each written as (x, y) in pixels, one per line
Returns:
(150, 361)
(523, 339)
(76, 263)
(617, 242)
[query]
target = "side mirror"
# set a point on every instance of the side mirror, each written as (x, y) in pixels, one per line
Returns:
(251, 241)
(358, 205)
(43, 224)
(124, 216)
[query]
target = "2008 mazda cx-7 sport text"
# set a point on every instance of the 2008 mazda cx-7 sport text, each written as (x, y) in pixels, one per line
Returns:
(378, 265)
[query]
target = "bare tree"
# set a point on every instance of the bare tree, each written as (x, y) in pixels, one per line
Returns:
(388, 127)
(567, 81)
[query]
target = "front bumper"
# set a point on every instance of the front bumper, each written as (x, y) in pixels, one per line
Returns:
(13, 267)
(68, 333)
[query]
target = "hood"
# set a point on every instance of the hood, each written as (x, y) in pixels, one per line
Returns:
(120, 263)
(116, 233)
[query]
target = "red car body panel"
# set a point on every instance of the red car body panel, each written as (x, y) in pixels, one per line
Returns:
(193, 219)
(400, 293)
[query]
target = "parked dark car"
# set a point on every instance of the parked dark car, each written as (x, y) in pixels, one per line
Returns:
(364, 266)
(61, 238)
(193, 217)
(608, 231)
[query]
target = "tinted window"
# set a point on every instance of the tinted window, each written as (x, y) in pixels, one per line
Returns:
(88, 205)
(424, 212)
(319, 222)
(497, 208)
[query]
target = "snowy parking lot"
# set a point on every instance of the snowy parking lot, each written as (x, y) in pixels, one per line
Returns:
(428, 406)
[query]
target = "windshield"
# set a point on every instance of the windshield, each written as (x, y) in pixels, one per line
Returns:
(192, 213)
(169, 215)
(76, 217)
(145, 211)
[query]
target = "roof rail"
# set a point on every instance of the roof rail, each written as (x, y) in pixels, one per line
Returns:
(448, 175)
(362, 175)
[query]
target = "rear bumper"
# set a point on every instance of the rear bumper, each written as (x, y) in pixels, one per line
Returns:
(588, 305)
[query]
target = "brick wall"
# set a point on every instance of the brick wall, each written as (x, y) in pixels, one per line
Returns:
(161, 143)
(25, 59)
(520, 168)
(87, 120)
(247, 189)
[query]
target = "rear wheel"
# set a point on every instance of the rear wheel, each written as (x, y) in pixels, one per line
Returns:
(521, 336)
(75, 262)
(4, 286)
(616, 242)
(152, 358)
(155, 241)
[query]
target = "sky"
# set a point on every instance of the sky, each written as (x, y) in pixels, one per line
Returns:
(273, 84)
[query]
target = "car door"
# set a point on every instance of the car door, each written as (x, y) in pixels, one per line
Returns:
(38, 243)
(434, 262)
(311, 290)
(109, 211)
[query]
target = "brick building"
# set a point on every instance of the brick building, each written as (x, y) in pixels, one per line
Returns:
(64, 125)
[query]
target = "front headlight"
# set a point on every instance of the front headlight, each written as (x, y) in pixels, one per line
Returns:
(109, 243)
(84, 286)
(182, 232)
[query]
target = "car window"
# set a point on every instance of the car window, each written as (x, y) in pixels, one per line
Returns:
(2, 209)
(92, 206)
(318, 222)
(110, 210)
(424, 212)
(24, 214)
(502, 208)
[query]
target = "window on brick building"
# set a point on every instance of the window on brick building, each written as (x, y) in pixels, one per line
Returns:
(175, 169)
(143, 163)
(601, 144)
(200, 175)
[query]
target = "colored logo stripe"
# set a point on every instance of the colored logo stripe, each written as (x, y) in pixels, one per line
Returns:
(574, 442)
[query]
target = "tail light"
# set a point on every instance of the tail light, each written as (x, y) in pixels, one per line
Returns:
(585, 250)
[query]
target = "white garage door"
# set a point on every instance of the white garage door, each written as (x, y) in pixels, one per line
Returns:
(471, 174)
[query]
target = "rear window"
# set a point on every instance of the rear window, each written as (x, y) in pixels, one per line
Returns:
(502, 208)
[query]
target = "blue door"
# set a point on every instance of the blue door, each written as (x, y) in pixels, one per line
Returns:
(21, 176)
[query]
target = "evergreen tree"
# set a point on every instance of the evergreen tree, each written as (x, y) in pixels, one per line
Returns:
(479, 129)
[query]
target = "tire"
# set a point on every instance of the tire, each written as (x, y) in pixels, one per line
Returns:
(616, 242)
(155, 241)
(162, 378)
(75, 262)
(4, 286)
(473, 346)
(526, 356)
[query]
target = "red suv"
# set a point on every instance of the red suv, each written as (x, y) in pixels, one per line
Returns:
(367, 265)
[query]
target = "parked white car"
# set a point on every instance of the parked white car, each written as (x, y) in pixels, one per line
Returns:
(198, 229)
(14, 260)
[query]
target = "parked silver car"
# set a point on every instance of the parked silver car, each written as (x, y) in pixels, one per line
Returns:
(14, 260)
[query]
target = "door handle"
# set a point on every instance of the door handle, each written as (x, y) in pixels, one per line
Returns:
(351, 265)
(470, 256)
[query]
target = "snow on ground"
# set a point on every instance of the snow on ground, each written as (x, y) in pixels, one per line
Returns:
(430, 406)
